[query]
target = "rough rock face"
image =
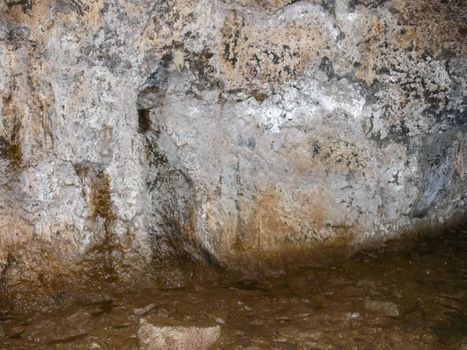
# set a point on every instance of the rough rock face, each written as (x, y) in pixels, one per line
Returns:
(248, 134)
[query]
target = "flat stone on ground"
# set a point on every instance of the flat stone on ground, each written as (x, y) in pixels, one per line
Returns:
(177, 338)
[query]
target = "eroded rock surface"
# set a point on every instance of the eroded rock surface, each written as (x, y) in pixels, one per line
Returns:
(247, 134)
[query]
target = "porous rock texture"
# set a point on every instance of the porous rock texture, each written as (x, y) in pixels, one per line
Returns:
(248, 134)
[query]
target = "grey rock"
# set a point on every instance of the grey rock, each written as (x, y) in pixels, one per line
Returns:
(145, 310)
(177, 338)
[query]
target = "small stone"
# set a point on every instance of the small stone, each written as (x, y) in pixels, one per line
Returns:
(79, 316)
(145, 310)
(352, 315)
(257, 322)
(382, 307)
(177, 338)
(219, 320)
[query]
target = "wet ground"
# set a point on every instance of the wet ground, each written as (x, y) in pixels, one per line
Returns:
(386, 299)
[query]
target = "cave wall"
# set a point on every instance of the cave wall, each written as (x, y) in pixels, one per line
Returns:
(247, 134)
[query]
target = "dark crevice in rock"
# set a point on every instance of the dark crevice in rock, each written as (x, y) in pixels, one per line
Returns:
(327, 68)
(144, 121)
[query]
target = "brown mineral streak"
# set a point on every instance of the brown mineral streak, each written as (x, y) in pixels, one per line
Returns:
(101, 198)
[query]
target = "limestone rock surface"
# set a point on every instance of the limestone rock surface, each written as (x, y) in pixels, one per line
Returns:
(177, 338)
(254, 135)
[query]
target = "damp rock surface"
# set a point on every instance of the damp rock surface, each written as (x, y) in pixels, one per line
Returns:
(139, 139)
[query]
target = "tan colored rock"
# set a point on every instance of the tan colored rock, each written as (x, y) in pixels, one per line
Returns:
(177, 338)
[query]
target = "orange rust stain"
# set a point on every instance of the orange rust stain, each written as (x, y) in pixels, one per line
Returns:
(263, 238)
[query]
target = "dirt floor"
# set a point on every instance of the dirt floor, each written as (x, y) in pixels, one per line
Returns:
(384, 299)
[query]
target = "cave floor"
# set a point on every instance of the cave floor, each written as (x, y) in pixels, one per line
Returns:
(382, 299)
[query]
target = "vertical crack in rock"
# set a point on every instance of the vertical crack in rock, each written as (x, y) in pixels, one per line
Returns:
(144, 120)
(437, 154)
